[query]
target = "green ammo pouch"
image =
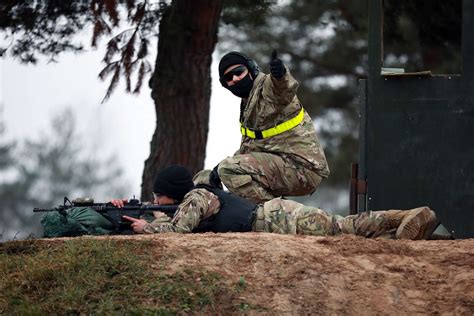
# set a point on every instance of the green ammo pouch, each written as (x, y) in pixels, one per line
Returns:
(76, 221)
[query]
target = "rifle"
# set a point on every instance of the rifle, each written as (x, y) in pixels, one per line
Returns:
(114, 214)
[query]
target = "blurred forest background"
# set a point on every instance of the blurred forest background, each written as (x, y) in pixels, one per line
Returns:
(323, 42)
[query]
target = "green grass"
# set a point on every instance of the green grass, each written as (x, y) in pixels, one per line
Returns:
(90, 276)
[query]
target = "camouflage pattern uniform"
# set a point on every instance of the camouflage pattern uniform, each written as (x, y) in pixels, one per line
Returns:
(197, 205)
(291, 163)
(289, 217)
(285, 217)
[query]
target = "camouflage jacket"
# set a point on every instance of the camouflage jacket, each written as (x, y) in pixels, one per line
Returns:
(198, 204)
(271, 102)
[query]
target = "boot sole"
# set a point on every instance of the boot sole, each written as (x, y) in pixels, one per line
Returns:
(418, 225)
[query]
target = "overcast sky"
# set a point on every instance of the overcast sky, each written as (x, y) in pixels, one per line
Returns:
(31, 95)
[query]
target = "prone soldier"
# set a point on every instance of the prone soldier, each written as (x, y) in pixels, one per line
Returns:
(210, 209)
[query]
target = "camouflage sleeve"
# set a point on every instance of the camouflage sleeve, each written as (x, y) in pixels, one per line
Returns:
(197, 205)
(281, 91)
(202, 177)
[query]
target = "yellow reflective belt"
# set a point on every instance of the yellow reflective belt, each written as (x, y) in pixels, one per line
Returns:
(280, 128)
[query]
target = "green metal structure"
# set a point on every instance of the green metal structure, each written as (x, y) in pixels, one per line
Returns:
(417, 135)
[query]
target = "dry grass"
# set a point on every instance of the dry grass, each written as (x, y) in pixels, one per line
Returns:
(106, 276)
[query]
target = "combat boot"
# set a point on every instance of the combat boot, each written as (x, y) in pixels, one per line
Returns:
(392, 218)
(417, 223)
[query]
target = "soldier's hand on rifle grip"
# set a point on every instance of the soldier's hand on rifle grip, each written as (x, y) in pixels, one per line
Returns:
(118, 202)
(277, 69)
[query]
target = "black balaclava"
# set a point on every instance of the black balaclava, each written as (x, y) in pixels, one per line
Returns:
(174, 181)
(243, 87)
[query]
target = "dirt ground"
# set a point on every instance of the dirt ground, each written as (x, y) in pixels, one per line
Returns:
(303, 275)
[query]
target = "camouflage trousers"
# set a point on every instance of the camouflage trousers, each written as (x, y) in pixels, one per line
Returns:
(289, 217)
(263, 176)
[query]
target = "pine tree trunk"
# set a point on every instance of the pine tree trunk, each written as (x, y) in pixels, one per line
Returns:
(181, 87)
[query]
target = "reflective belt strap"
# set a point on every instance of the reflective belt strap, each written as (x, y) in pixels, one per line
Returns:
(280, 128)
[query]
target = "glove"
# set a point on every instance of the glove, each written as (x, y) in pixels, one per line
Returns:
(277, 69)
(214, 179)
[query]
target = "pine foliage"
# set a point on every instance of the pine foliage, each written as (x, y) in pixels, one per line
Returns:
(126, 52)
(47, 28)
